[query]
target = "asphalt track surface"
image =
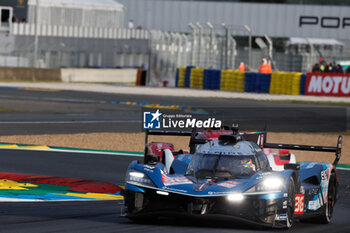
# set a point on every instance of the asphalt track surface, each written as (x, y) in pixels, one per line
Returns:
(104, 216)
(47, 112)
(52, 112)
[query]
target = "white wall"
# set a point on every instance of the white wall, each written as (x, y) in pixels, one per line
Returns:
(99, 75)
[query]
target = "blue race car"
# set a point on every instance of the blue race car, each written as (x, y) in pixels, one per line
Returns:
(231, 178)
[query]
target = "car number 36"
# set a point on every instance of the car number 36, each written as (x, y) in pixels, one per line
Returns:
(299, 204)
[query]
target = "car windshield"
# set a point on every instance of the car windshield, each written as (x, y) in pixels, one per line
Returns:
(221, 166)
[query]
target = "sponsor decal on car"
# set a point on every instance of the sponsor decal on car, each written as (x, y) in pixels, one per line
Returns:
(299, 204)
(325, 174)
(174, 190)
(168, 181)
(229, 184)
(284, 205)
(314, 205)
(281, 217)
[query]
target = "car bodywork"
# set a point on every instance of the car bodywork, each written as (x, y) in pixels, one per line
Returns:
(262, 196)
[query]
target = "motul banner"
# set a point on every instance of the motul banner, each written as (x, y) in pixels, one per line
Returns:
(327, 84)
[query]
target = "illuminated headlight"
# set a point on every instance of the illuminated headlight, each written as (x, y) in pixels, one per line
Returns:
(273, 183)
(270, 184)
(236, 197)
(137, 174)
(138, 177)
(162, 193)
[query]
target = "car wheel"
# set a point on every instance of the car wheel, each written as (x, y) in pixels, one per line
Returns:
(331, 197)
(290, 203)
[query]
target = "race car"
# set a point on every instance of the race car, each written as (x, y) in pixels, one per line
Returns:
(154, 150)
(231, 178)
(278, 159)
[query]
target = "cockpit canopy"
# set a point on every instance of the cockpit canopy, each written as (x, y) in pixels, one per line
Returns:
(216, 159)
(221, 166)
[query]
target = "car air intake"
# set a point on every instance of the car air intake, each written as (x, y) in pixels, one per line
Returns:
(229, 138)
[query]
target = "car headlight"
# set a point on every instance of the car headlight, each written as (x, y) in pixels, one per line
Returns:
(134, 176)
(235, 197)
(273, 183)
(270, 184)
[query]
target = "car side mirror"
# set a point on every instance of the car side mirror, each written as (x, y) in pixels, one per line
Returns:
(291, 166)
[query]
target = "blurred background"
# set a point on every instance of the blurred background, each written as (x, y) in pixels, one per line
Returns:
(162, 35)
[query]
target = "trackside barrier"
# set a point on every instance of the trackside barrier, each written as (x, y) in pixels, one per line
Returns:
(71, 75)
(196, 78)
(180, 76)
(263, 83)
(275, 83)
(211, 79)
(249, 84)
(296, 80)
(232, 80)
(177, 78)
(257, 82)
(302, 84)
(285, 83)
(327, 84)
(188, 76)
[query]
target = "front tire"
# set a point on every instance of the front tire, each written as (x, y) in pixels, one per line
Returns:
(325, 218)
(290, 203)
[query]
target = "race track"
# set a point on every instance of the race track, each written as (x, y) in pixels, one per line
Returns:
(51, 112)
(104, 216)
(32, 111)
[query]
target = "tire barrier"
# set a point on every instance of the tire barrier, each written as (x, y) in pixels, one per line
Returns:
(211, 79)
(180, 76)
(196, 78)
(282, 83)
(257, 82)
(188, 76)
(302, 84)
(285, 83)
(262, 83)
(232, 80)
(249, 84)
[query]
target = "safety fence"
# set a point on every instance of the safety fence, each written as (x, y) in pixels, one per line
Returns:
(290, 83)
